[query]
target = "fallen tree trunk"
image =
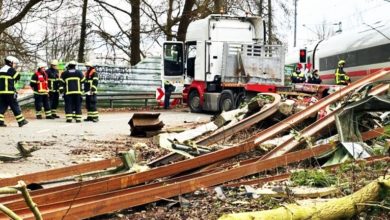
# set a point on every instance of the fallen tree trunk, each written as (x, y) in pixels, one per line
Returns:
(342, 208)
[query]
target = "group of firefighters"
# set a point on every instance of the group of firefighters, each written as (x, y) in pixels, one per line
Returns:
(48, 85)
(299, 75)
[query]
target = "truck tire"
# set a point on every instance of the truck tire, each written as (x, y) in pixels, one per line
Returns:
(194, 101)
(226, 100)
(240, 98)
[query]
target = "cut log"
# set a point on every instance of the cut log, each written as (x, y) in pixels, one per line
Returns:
(342, 208)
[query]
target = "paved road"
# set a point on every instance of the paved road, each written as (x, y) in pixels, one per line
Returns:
(70, 135)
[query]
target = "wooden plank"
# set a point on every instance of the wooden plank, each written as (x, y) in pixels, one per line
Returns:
(105, 203)
(61, 172)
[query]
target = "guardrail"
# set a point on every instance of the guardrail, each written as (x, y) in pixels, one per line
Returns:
(111, 97)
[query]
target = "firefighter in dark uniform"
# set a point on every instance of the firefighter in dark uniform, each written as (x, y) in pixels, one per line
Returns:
(314, 78)
(54, 82)
(298, 76)
(168, 89)
(8, 94)
(341, 76)
(39, 83)
(71, 82)
(90, 89)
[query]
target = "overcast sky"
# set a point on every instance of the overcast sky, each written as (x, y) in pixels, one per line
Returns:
(352, 14)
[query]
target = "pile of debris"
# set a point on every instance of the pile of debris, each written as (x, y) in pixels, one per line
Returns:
(346, 131)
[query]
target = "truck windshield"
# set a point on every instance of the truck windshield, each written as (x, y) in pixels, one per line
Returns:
(173, 59)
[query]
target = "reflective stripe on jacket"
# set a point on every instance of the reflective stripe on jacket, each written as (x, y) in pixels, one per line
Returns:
(91, 80)
(71, 81)
(54, 80)
(341, 77)
(8, 77)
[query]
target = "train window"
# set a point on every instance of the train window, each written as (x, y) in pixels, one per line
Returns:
(367, 56)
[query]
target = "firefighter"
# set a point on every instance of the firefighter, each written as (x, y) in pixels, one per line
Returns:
(54, 81)
(71, 82)
(90, 89)
(341, 76)
(314, 78)
(169, 88)
(8, 94)
(298, 76)
(39, 84)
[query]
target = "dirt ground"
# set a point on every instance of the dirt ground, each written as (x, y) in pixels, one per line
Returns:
(62, 144)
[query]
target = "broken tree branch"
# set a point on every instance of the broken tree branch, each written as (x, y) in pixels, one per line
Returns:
(342, 208)
(9, 212)
(27, 198)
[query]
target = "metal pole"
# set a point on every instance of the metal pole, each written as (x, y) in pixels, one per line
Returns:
(295, 23)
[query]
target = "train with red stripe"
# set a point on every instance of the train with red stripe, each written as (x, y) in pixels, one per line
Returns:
(365, 50)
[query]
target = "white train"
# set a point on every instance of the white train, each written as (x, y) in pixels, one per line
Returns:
(365, 51)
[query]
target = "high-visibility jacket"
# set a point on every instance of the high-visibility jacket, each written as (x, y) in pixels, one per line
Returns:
(298, 77)
(91, 80)
(8, 77)
(341, 77)
(39, 83)
(72, 81)
(54, 80)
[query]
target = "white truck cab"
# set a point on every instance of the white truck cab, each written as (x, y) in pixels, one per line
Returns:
(224, 57)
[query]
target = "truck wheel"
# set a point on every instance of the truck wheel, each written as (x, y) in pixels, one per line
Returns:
(194, 101)
(240, 98)
(226, 101)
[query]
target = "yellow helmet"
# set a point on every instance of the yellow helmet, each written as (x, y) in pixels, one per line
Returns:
(89, 64)
(341, 62)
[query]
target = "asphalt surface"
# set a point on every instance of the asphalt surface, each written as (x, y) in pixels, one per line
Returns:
(64, 136)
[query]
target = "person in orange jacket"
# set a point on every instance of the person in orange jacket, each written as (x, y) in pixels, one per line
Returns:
(39, 83)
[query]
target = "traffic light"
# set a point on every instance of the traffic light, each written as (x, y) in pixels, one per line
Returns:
(302, 55)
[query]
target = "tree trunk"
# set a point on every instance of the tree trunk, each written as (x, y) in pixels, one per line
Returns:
(260, 8)
(342, 208)
(168, 27)
(83, 33)
(135, 32)
(218, 7)
(185, 20)
(269, 22)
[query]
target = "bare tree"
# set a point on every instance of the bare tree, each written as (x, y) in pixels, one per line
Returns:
(83, 32)
(62, 39)
(13, 12)
(128, 39)
(135, 34)
(178, 15)
(15, 20)
(185, 20)
(323, 31)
